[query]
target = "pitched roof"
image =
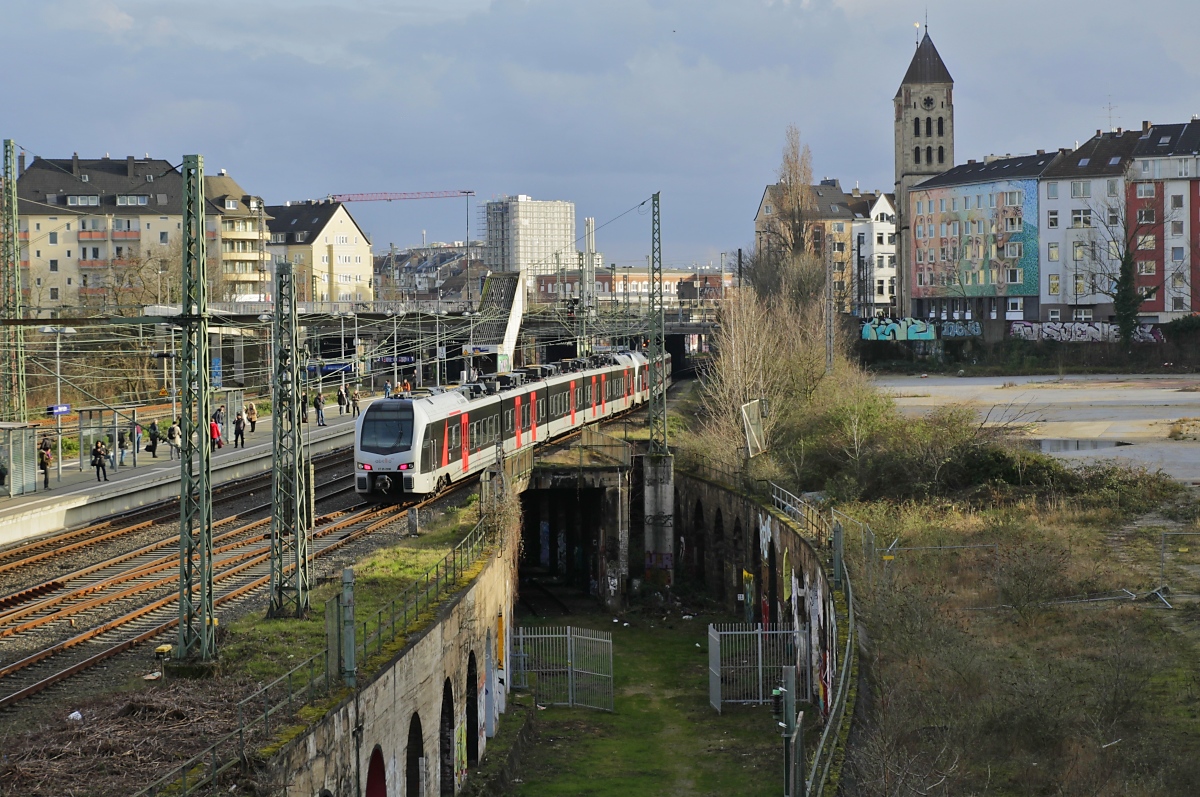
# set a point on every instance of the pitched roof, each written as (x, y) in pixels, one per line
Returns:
(927, 66)
(44, 186)
(1018, 168)
(220, 187)
(304, 217)
(1168, 140)
(1104, 155)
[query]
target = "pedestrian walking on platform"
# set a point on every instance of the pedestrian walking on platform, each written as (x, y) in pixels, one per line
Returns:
(341, 400)
(214, 435)
(154, 437)
(239, 431)
(319, 405)
(251, 415)
(354, 399)
(173, 440)
(45, 460)
(387, 389)
(100, 460)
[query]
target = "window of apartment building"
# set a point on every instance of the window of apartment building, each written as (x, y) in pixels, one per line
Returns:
(920, 205)
(1052, 252)
(1053, 284)
(879, 261)
(1081, 189)
(1078, 284)
(231, 204)
(1013, 249)
(953, 203)
(991, 200)
(52, 238)
(54, 265)
(1052, 220)
(954, 228)
(1078, 250)
(766, 210)
(1146, 268)
(1177, 303)
(920, 255)
(920, 277)
(1145, 216)
(1114, 216)
(1015, 304)
(1177, 281)
(944, 229)
(879, 239)
(1176, 201)
(38, 282)
(942, 254)
(1052, 190)
(324, 258)
(1054, 314)
(941, 205)
(1082, 315)
(1012, 198)
(1145, 242)
(68, 280)
(1145, 167)
(95, 253)
(879, 287)
(1081, 217)
(1145, 190)
(839, 246)
(163, 238)
(37, 253)
(54, 294)
(1012, 224)
(1184, 168)
(1014, 276)
(1112, 187)
(1177, 254)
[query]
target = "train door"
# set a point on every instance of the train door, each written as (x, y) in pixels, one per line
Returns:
(464, 430)
(603, 394)
(517, 418)
(533, 415)
(571, 393)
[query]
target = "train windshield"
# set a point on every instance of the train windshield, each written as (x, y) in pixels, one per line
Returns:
(387, 427)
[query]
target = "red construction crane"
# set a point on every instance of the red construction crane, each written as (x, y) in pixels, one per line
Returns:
(384, 196)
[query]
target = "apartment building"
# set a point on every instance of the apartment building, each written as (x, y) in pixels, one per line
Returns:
(874, 237)
(98, 233)
(532, 236)
(330, 250)
(239, 263)
(975, 240)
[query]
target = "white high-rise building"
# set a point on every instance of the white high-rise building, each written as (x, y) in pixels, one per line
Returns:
(531, 236)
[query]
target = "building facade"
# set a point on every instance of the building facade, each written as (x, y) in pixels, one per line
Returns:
(531, 236)
(99, 234)
(975, 240)
(239, 262)
(331, 253)
(924, 141)
(874, 238)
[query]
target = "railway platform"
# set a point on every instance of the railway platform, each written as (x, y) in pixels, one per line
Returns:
(79, 499)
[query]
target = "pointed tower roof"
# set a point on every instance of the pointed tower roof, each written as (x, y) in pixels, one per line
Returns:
(927, 66)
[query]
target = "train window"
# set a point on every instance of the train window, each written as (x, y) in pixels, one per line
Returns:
(508, 420)
(542, 409)
(387, 427)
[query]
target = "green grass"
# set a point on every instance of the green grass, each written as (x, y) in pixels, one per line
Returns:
(663, 738)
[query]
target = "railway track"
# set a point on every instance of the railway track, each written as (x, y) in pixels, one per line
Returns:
(56, 545)
(136, 600)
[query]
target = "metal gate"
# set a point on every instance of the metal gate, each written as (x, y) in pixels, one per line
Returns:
(564, 666)
(746, 661)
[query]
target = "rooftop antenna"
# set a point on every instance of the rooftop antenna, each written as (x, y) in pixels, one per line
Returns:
(1110, 108)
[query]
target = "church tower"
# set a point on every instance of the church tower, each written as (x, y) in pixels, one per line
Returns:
(924, 143)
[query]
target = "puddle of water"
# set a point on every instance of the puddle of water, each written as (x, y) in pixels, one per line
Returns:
(1057, 445)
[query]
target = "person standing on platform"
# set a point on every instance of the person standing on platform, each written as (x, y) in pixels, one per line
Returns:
(100, 460)
(304, 407)
(154, 438)
(173, 440)
(387, 389)
(214, 435)
(251, 415)
(407, 387)
(341, 400)
(355, 397)
(239, 430)
(45, 460)
(319, 406)
(122, 446)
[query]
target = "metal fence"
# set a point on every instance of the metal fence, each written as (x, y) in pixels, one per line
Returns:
(564, 666)
(614, 448)
(747, 660)
(318, 676)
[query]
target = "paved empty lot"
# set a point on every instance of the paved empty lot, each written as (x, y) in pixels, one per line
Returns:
(1130, 409)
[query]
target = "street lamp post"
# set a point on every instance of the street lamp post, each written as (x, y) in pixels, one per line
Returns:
(58, 332)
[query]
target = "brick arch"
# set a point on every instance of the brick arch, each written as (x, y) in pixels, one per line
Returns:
(472, 698)
(446, 741)
(414, 754)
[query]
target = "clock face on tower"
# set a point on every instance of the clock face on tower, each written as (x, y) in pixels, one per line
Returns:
(928, 103)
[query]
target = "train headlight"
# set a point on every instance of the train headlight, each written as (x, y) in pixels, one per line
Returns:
(364, 466)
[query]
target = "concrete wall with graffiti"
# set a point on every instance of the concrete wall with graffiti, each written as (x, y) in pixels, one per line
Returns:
(762, 565)
(1081, 332)
(919, 329)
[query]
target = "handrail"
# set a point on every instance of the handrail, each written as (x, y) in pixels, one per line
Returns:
(426, 589)
(826, 750)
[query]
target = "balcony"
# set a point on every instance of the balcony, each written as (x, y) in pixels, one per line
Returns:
(243, 235)
(93, 235)
(93, 263)
(100, 291)
(126, 235)
(23, 235)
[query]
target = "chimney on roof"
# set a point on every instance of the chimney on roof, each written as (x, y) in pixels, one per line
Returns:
(75, 163)
(1120, 131)
(1146, 125)
(1099, 132)
(1041, 152)
(129, 166)
(21, 163)
(856, 192)
(971, 162)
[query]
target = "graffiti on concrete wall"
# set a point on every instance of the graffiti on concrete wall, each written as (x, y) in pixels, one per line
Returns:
(961, 329)
(1082, 332)
(898, 329)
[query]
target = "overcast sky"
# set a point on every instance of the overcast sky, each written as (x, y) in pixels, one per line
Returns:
(601, 103)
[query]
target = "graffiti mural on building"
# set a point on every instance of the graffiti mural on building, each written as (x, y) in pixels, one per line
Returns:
(961, 329)
(898, 329)
(1082, 332)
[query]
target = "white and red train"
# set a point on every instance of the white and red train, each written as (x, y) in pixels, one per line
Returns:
(419, 444)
